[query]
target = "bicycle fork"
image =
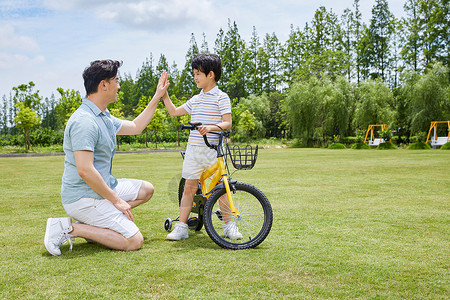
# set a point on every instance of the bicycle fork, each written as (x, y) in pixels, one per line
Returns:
(218, 169)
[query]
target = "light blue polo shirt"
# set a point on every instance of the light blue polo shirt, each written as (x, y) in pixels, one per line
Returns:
(93, 130)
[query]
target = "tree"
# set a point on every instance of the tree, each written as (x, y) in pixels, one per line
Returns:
(434, 20)
(430, 98)
(381, 30)
(347, 22)
(357, 27)
(49, 115)
(68, 103)
(130, 99)
(147, 79)
(26, 119)
(204, 47)
(259, 107)
(246, 124)
(4, 115)
(157, 124)
(325, 53)
(338, 107)
(185, 85)
(292, 54)
(27, 102)
(253, 65)
(231, 48)
(271, 64)
(375, 106)
(303, 104)
(410, 35)
(24, 93)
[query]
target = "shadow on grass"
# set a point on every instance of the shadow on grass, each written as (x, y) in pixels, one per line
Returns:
(80, 249)
(201, 240)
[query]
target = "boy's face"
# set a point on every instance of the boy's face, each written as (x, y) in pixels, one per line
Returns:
(203, 80)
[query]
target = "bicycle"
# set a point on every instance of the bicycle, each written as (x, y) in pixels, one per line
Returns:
(226, 200)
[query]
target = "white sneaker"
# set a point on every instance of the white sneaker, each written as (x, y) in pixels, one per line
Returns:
(57, 233)
(231, 231)
(179, 232)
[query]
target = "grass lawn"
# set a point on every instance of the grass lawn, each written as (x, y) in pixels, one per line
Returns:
(348, 224)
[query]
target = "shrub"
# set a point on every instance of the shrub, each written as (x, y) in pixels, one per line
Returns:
(386, 146)
(337, 146)
(348, 140)
(446, 146)
(419, 146)
(360, 146)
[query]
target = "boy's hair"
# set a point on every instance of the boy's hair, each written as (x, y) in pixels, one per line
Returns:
(99, 70)
(206, 63)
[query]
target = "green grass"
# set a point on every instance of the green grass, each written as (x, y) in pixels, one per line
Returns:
(347, 225)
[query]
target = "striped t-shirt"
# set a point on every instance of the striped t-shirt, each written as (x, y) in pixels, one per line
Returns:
(207, 108)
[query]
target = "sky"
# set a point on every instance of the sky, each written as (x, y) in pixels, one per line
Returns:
(51, 42)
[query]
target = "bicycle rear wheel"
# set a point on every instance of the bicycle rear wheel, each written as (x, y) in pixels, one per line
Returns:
(254, 221)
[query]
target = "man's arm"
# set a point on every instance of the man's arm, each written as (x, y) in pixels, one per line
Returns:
(140, 122)
(84, 161)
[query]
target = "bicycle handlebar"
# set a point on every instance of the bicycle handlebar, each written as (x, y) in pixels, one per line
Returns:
(195, 126)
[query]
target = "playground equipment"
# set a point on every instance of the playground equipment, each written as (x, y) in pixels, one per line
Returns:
(438, 140)
(372, 140)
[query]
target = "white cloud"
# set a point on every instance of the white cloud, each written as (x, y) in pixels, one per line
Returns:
(19, 61)
(145, 14)
(10, 40)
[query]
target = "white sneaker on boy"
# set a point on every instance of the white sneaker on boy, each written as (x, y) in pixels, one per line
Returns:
(179, 232)
(231, 231)
(57, 233)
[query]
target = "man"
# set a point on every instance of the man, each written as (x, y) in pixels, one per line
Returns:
(90, 193)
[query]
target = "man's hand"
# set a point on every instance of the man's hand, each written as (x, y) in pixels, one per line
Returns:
(125, 208)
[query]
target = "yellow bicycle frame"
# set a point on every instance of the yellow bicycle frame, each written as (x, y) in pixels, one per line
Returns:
(219, 171)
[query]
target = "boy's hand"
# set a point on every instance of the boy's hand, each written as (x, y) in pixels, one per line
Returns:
(163, 84)
(205, 129)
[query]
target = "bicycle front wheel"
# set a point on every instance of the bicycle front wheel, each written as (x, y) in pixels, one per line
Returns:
(252, 225)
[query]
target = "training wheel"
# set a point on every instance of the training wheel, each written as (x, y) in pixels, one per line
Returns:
(168, 225)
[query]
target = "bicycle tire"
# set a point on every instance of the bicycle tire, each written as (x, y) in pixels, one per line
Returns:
(198, 225)
(254, 222)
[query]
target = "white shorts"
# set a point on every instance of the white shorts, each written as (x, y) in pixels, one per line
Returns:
(102, 213)
(196, 160)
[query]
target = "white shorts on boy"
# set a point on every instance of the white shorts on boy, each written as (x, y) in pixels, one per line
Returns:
(196, 160)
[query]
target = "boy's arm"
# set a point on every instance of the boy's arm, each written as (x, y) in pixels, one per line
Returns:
(140, 122)
(171, 108)
(225, 125)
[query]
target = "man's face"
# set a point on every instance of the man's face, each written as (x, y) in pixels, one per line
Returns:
(112, 87)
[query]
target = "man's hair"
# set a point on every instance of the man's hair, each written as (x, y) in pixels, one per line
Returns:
(99, 70)
(206, 63)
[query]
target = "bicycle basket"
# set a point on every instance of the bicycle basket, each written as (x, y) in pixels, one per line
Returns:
(243, 158)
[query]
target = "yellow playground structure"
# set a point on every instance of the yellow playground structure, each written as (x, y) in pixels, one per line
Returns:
(372, 140)
(438, 140)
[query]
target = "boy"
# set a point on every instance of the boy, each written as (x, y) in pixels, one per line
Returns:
(212, 108)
